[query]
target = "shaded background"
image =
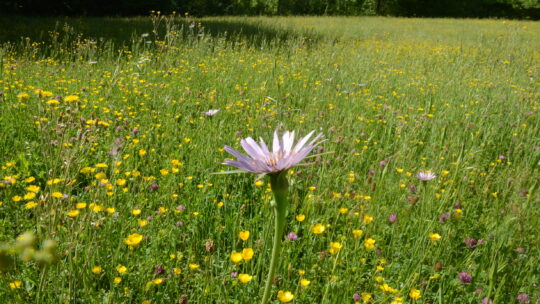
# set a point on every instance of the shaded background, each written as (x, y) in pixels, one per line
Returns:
(523, 9)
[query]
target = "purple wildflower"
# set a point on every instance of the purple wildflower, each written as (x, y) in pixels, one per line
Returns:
(292, 236)
(465, 278)
(159, 270)
(392, 218)
(444, 217)
(523, 298)
(487, 300)
(471, 243)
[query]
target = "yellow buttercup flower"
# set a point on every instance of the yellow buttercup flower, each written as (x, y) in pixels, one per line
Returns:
(133, 239)
(318, 228)
(285, 296)
(73, 213)
(33, 188)
(367, 219)
(247, 254)
(30, 205)
(335, 247)
(415, 294)
(244, 278)
(15, 284)
(369, 244)
(236, 257)
(121, 269)
(434, 236)
(243, 235)
(357, 233)
(96, 269)
(71, 98)
(366, 296)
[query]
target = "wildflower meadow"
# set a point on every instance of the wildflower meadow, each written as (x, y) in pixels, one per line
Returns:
(120, 140)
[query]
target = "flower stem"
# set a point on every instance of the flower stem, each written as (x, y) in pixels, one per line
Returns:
(280, 187)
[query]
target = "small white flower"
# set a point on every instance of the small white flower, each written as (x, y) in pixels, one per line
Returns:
(283, 156)
(425, 176)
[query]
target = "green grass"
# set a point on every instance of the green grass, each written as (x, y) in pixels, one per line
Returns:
(392, 96)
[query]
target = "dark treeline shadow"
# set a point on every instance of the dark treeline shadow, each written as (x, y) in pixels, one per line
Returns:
(121, 32)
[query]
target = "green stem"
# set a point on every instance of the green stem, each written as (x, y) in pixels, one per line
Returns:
(280, 187)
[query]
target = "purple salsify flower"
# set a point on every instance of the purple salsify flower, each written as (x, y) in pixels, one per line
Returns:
(444, 217)
(371, 172)
(180, 208)
(425, 176)
(179, 223)
(501, 157)
(523, 298)
(154, 187)
(292, 236)
(412, 189)
(392, 218)
(234, 274)
(135, 131)
(282, 157)
(471, 243)
(356, 297)
(458, 205)
(465, 278)
(113, 152)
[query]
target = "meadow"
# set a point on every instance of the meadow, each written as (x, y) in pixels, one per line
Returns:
(107, 153)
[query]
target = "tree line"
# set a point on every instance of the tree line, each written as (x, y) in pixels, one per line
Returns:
(523, 9)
